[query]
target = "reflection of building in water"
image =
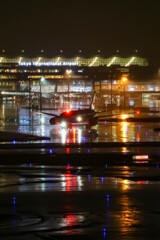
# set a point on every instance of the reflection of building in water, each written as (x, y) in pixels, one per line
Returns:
(124, 131)
(129, 216)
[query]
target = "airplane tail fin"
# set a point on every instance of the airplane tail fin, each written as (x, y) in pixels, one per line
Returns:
(92, 106)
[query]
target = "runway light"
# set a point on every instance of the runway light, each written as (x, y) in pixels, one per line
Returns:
(14, 201)
(89, 178)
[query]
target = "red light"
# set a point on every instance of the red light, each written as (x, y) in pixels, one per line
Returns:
(56, 123)
(68, 111)
(138, 112)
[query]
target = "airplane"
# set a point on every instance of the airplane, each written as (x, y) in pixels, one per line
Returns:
(81, 116)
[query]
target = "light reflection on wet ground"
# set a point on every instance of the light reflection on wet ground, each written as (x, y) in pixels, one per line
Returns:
(47, 202)
(18, 119)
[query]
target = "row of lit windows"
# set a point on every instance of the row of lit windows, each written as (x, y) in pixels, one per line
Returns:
(7, 77)
(29, 71)
(56, 76)
(5, 84)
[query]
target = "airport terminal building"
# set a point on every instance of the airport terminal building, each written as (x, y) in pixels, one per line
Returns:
(73, 75)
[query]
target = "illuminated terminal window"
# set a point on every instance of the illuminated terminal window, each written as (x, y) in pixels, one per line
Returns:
(77, 61)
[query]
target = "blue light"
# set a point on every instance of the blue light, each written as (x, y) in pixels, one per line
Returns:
(89, 151)
(107, 200)
(89, 177)
(30, 164)
(50, 151)
(157, 166)
(14, 201)
(69, 165)
(102, 179)
(14, 142)
(131, 174)
(76, 173)
(105, 122)
(116, 181)
(106, 166)
(104, 232)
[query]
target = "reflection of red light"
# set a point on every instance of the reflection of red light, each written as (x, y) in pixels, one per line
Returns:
(68, 150)
(68, 167)
(71, 220)
(71, 181)
(138, 137)
(56, 123)
(138, 112)
(142, 182)
(57, 131)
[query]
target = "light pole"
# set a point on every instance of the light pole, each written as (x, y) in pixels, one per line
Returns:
(41, 80)
(111, 91)
(124, 80)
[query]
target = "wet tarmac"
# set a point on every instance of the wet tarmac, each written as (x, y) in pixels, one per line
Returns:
(15, 117)
(47, 202)
(97, 201)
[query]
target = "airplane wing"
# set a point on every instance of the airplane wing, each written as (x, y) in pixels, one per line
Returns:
(50, 114)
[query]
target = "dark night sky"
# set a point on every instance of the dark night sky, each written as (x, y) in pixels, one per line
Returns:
(88, 25)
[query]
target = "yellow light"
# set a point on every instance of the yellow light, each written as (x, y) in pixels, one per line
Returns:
(124, 79)
(130, 62)
(111, 62)
(58, 59)
(124, 116)
(93, 62)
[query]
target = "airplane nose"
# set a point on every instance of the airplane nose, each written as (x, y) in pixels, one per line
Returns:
(52, 121)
